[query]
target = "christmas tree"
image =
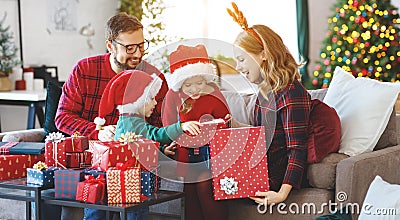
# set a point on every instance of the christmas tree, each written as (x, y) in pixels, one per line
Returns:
(363, 39)
(8, 50)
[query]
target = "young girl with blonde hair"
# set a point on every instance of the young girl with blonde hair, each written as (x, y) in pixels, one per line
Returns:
(194, 97)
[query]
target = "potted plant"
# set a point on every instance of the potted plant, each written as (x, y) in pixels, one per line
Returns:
(8, 55)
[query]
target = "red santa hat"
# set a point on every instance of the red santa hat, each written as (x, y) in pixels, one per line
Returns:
(128, 92)
(187, 62)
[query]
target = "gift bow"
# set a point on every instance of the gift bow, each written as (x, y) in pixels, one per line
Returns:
(129, 137)
(40, 166)
(89, 179)
(124, 166)
(229, 185)
(55, 137)
(76, 134)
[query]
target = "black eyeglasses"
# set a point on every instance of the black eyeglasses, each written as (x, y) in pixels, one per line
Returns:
(131, 48)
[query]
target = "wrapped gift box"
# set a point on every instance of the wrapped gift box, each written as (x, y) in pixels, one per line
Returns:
(14, 166)
(55, 154)
(108, 154)
(79, 160)
(208, 130)
(6, 146)
(34, 148)
(92, 190)
(239, 162)
(123, 186)
(41, 177)
(66, 182)
(76, 143)
(150, 181)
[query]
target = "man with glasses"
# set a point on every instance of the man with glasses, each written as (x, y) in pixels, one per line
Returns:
(81, 93)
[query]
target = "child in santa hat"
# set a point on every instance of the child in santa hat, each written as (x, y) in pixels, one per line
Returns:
(193, 95)
(133, 93)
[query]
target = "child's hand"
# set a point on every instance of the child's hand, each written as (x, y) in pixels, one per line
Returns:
(107, 133)
(193, 127)
(233, 122)
(170, 150)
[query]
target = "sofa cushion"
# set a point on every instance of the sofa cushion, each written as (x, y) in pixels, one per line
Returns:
(382, 197)
(364, 106)
(317, 94)
(324, 131)
(52, 99)
(389, 136)
(323, 174)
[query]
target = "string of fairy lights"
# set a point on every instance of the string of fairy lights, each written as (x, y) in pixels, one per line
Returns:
(363, 39)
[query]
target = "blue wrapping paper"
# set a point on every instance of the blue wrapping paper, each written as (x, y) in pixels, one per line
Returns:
(41, 177)
(66, 182)
(150, 181)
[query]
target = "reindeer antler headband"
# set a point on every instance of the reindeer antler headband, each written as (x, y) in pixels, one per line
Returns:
(241, 20)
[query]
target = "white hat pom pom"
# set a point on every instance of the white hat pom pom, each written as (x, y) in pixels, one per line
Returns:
(99, 121)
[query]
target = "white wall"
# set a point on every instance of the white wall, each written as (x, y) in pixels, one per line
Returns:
(60, 49)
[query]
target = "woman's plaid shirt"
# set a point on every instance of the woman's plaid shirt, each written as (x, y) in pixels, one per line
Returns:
(286, 119)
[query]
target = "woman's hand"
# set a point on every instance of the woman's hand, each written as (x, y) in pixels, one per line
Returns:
(107, 133)
(272, 197)
(193, 127)
(170, 150)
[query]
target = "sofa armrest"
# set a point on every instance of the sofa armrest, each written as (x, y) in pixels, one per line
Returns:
(355, 174)
(31, 135)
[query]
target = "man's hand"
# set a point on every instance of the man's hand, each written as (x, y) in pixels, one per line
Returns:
(107, 133)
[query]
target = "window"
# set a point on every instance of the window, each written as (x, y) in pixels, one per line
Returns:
(209, 19)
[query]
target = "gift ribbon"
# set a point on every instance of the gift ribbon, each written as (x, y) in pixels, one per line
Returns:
(80, 157)
(122, 167)
(55, 155)
(156, 179)
(55, 138)
(76, 134)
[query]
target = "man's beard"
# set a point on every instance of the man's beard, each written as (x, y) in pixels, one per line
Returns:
(122, 66)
